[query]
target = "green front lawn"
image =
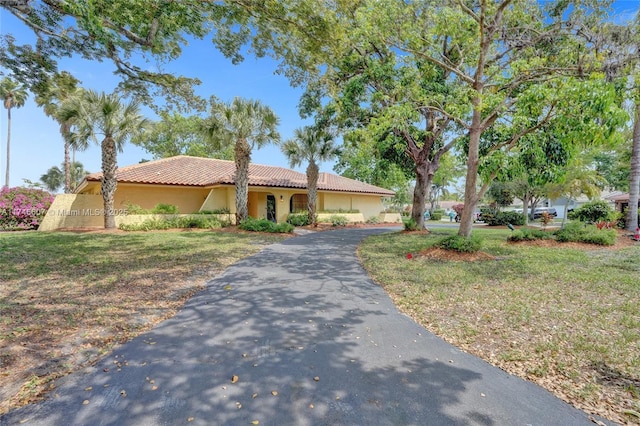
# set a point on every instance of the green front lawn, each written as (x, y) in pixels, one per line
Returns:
(566, 316)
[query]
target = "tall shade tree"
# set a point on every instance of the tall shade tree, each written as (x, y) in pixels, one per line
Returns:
(107, 121)
(313, 146)
(62, 87)
(13, 95)
(175, 134)
(434, 69)
(246, 124)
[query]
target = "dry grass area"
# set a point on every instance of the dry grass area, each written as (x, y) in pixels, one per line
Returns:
(67, 298)
(563, 315)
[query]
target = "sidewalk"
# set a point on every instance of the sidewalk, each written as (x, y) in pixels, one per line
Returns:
(295, 335)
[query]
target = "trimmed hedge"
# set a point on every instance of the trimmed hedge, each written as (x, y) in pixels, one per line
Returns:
(460, 244)
(264, 225)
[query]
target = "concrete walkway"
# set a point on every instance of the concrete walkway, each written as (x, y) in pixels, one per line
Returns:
(308, 339)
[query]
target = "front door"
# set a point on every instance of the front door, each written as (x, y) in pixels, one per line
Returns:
(271, 208)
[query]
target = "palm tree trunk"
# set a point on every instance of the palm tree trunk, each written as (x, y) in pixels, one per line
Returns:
(6, 176)
(242, 154)
(312, 192)
(109, 180)
(634, 179)
(65, 129)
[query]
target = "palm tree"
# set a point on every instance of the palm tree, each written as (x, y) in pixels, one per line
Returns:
(54, 178)
(246, 124)
(312, 145)
(97, 114)
(14, 95)
(62, 88)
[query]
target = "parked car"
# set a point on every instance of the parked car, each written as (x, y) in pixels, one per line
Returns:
(537, 214)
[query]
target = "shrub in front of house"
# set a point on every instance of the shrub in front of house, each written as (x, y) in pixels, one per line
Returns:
(528, 234)
(374, 220)
(298, 219)
(161, 208)
(581, 233)
(174, 223)
(264, 225)
(594, 211)
(460, 244)
(23, 208)
(338, 220)
(503, 218)
(436, 215)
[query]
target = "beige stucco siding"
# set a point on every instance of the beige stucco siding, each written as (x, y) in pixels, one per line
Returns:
(219, 198)
(74, 211)
(187, 199)
(368, 205)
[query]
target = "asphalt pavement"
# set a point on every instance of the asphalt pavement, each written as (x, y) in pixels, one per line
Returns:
(295, 335)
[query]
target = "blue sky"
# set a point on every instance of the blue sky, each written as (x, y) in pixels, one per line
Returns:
(36, 144)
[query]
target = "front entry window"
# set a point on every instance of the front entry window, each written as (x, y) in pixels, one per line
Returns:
(271, 208)
(298, 203)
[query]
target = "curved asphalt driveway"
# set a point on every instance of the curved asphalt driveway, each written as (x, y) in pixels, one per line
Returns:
(312, 341)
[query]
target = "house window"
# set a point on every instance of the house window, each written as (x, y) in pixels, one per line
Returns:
(298, 203)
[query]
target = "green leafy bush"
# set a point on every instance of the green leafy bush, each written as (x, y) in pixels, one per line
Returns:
(264, 225)
(373, 220)
(460, 244)
(528, 234)
(298, 219)
(174, 223)
(411, 225)
(161, 208)
(436, 215)
(135, 208)
(338, 220)
(594, 211)
(581, 233)
(503, 218)
(216, 211)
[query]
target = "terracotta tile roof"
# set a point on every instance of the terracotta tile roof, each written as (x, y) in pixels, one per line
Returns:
(184, 170)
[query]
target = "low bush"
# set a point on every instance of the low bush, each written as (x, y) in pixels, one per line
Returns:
(340, 211)
(23, 208)
(216, 211)
(460, 244)
(374, 220)
(298, 219)
(161, 208)
(581, 233)
(594, 211)
(174, 223)
(411, 225)
(528, 234)
(437, 215)
(134, 208)
(264, 225)
(338, 220)
(503, 218)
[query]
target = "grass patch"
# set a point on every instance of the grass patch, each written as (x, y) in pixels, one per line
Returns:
(66, 298)
(563, 316)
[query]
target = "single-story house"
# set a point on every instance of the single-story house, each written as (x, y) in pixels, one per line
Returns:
(621, 201)
(196, 184)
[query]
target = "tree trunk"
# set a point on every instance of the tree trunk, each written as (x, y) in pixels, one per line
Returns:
(109, 180)
(242, 154)
(470, 193)
(423, 183)
(634, 179)
(525, 208)
(312, 192)
(6, 176)
(65, 130)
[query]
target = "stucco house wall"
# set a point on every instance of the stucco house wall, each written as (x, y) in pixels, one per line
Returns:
(187, 199)
(194, 184)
